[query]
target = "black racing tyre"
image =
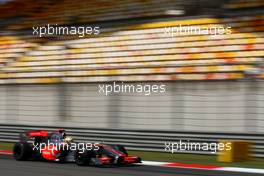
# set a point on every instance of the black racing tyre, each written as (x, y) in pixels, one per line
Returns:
(139, 160)
(120, 148)
(63, 155)
(22, 151)
(83, 158)
(120, 161)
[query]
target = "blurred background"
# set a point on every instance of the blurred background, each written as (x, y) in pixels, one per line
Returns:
(214, 83)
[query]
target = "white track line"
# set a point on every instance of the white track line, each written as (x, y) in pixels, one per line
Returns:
(238, 169)
(228, 169)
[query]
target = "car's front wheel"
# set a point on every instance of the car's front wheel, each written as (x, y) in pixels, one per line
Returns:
(83, 158)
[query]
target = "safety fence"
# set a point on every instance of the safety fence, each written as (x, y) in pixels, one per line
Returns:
(147, 140)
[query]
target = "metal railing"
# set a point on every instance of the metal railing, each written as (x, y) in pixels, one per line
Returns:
(147, 140)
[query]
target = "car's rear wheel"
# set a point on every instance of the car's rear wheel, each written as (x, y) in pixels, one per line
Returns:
(22, 151)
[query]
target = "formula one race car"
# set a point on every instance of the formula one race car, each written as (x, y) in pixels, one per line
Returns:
(57, 146)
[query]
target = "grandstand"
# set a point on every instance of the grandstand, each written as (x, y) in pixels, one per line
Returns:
(132, 51)
(138, 51)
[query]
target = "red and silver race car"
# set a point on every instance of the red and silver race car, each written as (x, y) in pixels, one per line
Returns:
(57, 146)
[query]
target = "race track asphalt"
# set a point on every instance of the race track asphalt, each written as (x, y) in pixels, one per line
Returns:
(10, 167)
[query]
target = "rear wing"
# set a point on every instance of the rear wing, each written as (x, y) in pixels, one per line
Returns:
(33, 135)
(37, 133)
